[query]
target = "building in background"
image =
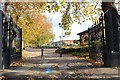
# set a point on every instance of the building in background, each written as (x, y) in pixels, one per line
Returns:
(83, 37)
(62, 43)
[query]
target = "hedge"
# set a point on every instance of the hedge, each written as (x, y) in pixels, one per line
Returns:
(72, 50)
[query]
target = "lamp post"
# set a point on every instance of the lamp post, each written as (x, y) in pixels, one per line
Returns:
(60, 25)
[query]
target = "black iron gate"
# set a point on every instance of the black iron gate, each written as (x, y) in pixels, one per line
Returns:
(96, 36)
(11, 41)
(16, 44)
(104, 39)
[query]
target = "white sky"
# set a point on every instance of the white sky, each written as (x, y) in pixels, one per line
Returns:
(76, 28)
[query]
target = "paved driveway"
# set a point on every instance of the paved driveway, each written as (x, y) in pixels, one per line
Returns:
(51, 66)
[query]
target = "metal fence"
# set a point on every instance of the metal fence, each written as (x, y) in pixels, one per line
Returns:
(16, 47)
(11, 49)
(104, 39)
(96, 39)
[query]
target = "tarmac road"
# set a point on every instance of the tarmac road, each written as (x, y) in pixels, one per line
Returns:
(51, 66)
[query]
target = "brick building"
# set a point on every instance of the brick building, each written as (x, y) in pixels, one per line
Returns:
(63, 43)
(83, 37)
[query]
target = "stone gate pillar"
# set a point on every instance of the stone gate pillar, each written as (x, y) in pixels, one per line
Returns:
(112, 54)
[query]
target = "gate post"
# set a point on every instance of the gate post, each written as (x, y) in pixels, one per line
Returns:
(112, 53)
(20, 31)
(1, 45)
(42, 50)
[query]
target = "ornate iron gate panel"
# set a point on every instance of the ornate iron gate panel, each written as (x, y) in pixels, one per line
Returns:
(96, 40)
(10, 35)
(16, 50)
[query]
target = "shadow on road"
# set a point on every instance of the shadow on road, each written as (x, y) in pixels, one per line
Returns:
(51, 66)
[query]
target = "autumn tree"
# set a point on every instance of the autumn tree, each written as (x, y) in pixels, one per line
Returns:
(76, 12)
(36, 28)
(71, 11)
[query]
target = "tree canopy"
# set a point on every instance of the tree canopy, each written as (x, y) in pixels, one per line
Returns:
(76, 12)
(28, 15)
(37, 29)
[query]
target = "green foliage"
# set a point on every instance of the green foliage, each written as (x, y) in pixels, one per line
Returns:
(86, 39)
(76, 54)
(83, 51)
(73, 50)
(95, 46)
(76, 42)
(67, 20)
(96, 43)
(80, 54)
(79, 12)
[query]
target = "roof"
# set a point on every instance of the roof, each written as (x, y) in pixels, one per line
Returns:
(82, 32)
(92, 28)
